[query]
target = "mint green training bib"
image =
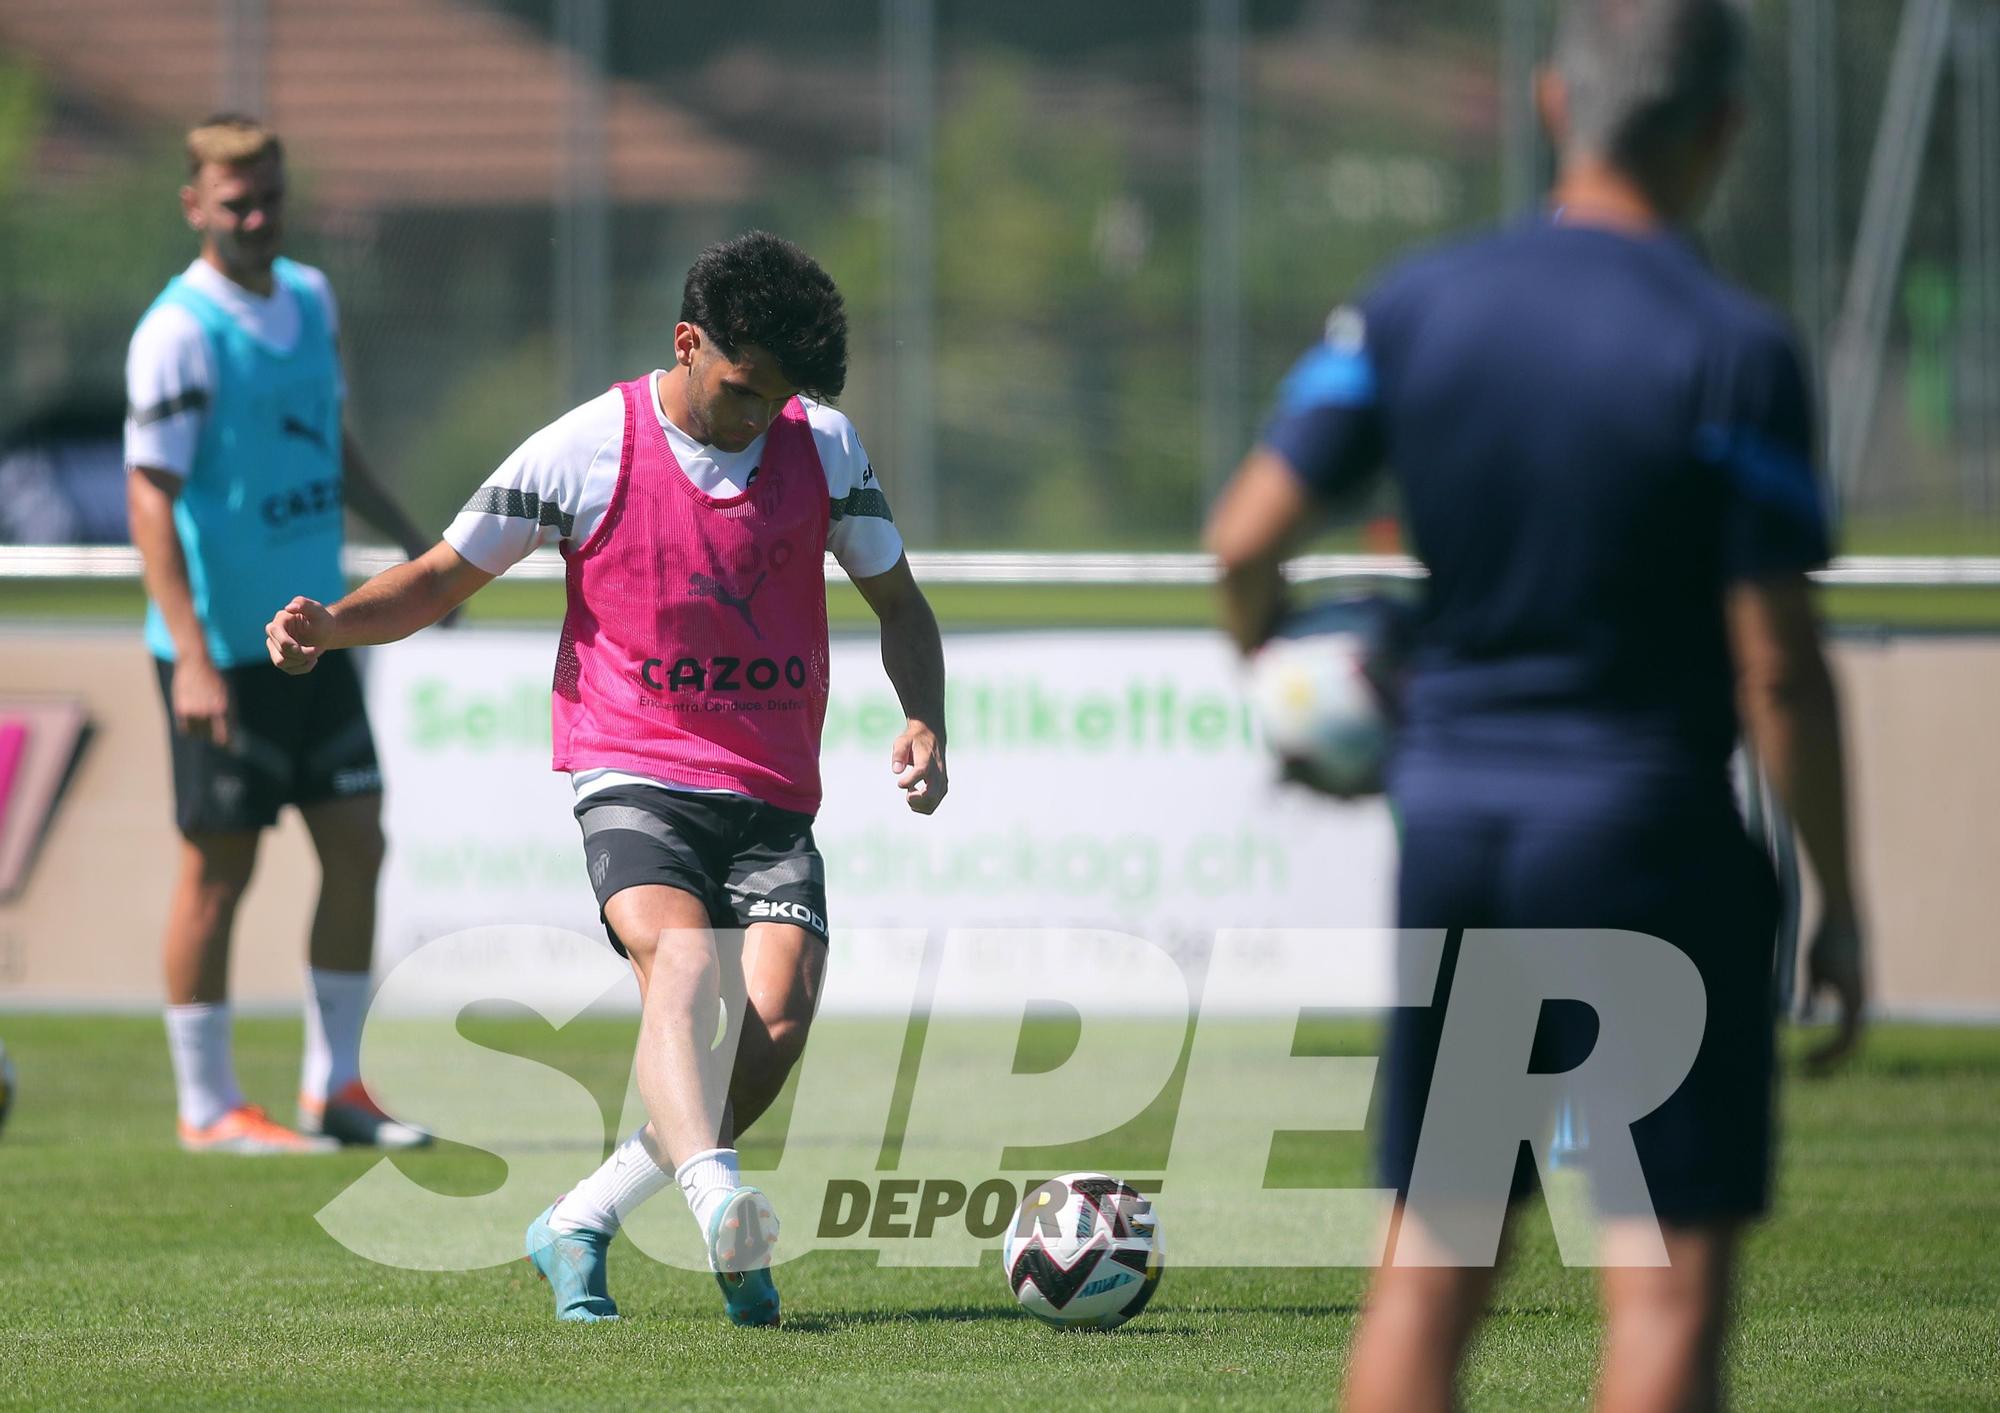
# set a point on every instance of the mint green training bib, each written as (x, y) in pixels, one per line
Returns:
(259, 516)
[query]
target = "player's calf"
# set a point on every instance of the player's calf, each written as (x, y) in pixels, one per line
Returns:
(764, 1060)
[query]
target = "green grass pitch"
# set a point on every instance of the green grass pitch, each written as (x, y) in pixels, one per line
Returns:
(133, 1275)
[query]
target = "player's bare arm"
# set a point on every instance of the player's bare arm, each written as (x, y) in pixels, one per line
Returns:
(913, 656)
(1250, 532)
(200, 692)
(1793, 718)
(394, 604)
(367, 498)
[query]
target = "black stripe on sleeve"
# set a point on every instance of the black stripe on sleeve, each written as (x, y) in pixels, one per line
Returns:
(522, 505)
(870, 502)
(190, 401)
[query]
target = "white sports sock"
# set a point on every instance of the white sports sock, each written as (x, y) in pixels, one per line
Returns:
(602, 1201)
(204, 1066)
(336, 1003)
(706, 1180)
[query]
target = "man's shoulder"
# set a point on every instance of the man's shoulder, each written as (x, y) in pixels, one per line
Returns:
(1529, 251)
(1539, 254)
(827, 421)
(311, 281)
(1442, 262)
(311, 276)
(1400, 293)
(168, 335)
(841, 455)
(177, 305)
(1360, 326)
(166, 322)
(583, 430)
(299, 270)
(1727, 313)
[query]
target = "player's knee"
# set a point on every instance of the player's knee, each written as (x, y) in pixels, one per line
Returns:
(370, 847)
(224, 887)
(357, 853)
(220, 866)
(665, 953)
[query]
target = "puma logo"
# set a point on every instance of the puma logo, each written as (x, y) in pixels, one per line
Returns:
(293, 427)
(703, 586)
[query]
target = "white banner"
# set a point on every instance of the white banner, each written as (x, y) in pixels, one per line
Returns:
(1106, 780)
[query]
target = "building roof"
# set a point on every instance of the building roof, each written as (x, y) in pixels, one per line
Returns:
(391, 103)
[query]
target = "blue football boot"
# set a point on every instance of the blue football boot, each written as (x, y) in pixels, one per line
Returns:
(572, 1262)
(741, 1233)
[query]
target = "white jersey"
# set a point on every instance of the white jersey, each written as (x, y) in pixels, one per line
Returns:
(557, 485)
(169, 379)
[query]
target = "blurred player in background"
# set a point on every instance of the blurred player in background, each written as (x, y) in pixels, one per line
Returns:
(1605, 461)
(695, 507)
(239, 464)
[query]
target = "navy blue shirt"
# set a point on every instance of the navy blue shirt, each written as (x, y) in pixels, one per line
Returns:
(1592, 435)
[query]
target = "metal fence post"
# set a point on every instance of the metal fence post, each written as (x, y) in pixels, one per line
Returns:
(910, 27)
(1523, 174)
(1856, 364)
(1815, 133)
(1219, 350)
(1978, 82)
(583, 200)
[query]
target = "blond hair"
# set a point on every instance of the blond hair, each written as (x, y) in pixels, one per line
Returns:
(230, 140)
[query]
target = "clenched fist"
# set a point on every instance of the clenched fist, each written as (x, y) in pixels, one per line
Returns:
(297, 635)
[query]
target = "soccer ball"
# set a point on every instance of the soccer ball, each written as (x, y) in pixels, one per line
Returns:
(6, 1085)
(1084, 1252)
(1324, 691)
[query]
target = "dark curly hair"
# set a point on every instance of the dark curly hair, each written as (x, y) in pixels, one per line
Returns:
(761, 289)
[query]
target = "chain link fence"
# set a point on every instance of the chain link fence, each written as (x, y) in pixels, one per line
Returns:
(1079, 243)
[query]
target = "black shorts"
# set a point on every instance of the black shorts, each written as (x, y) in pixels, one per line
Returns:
(1693, 879)
(297, 741)
(747, 861)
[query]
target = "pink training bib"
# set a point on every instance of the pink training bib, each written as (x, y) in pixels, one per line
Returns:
(694, 649)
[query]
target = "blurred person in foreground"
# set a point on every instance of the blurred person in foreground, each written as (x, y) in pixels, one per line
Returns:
(239, 464)
(695, 506)
(1604, 454)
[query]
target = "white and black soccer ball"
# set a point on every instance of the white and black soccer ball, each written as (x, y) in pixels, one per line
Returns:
(6, 1084)
(1084, 1252)
(1325, 690)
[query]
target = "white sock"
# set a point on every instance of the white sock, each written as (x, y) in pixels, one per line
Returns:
(336, 1003)
(204, 1066)
(602, 1201)
(706, 1180)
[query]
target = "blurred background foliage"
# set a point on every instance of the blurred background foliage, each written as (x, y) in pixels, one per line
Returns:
(1067, 362)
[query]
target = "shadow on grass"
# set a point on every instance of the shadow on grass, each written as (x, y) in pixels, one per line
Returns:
(1153, 1324)
(1343, 1309)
